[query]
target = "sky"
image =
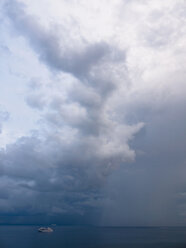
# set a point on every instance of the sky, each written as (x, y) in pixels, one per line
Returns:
(92, 112)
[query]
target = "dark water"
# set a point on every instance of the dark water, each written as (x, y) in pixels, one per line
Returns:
(98, 237)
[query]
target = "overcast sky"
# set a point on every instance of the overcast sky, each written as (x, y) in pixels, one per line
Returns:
(92, 112)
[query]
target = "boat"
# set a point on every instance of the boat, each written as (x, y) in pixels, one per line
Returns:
(45, 229)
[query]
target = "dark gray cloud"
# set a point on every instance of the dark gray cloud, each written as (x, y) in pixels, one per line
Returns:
(62, 169)
(77, 166)
(151, 190)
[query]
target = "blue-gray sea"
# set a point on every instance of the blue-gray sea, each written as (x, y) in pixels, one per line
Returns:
(93, 237)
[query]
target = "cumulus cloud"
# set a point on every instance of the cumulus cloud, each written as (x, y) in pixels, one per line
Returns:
(62, 168)
(77, 61)
(108, 102)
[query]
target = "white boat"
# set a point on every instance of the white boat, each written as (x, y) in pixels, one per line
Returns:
(45, 229)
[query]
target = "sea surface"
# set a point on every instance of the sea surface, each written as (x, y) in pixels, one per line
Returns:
(93, 237)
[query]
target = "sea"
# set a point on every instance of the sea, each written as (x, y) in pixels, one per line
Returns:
(93, 237)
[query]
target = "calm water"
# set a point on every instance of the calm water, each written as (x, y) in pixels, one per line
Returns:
(98, 237)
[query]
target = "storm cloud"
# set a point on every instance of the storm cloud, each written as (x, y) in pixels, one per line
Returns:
(109, 144)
